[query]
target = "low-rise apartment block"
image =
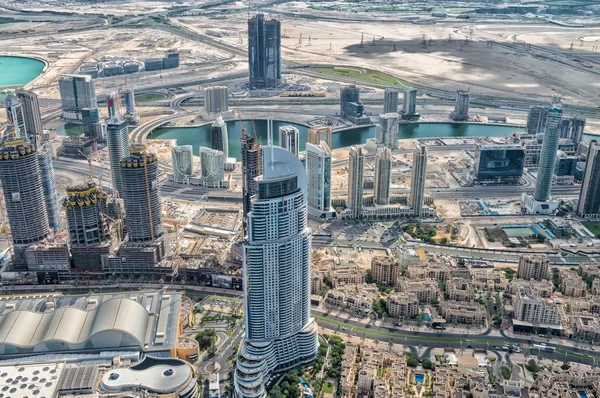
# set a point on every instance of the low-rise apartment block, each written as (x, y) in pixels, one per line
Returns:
(463, 313)
(459, 289)
(403, 305)
(571, 284)
(355, 299)
(341, 275)
(586, 328)
(426, 290)
(532, 312)
(434, 272)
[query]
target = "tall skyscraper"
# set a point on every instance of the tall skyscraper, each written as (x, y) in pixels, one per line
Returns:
(31, 112)
(318, 177)
(141, 194)
(589, 197)
(537, 118)
(409, 105)
(383, 175)
(461, 106)
(387, 130)
(24, 198)
(117, 139)
(251, 168)
(129, 99)
(348, 94)
(316, 134)
(548, 153)
(215, 99)
(182, 158)
(280, 333)
(76, 93)
(419, 175)
(355, 180)
(113, 104)
(212, 164)
(390, 101)
(49, 184)
(16, 115)
(264, 52)
(92, 127)
(219, 136)
(289, 139)
(572, 128)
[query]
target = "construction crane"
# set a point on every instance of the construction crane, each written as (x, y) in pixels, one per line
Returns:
(118, 224)
(176, 223)
(89, 160)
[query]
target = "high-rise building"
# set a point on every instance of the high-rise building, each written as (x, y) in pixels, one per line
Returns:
(219, 136)
(537, 118)
(251, 168)
(548, 154)
(182, 158)
(141, 194)
(31, 112)
(419, 175)
(529, 307)
(355, 180)
(533, 266)
(565, 168)
(390, 101)
(289, 139)
(385, 270)
(348, 94)
(589, 197)
(409, 105)
(499, 164)
(387, 130)
(92, 127)
(383, 175)
(318, 177)
(24, 198)
(117, 139)
(129, 99)
(280, 333)
(572, 128)
(212, 164)
(264, 52)
(76, 93)
(16, 116)
(49, 184)
(461, 106)
(215, 99)
(113, 105)
(316, 134)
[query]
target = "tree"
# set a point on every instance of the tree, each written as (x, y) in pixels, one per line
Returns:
(565, 366)
(412, 362)
(427, 364)
(206, 338)
(212, 350)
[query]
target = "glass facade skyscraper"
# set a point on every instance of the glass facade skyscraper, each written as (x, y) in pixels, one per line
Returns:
(589, 198)
(318, 177)
(264, 52)
(548, 153)
(500, 164)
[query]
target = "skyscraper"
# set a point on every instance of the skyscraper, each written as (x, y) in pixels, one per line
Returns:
(113, 104)
(264, 52)
(289, 139)
(215, 99)
(16, 115)
(24, 198)
(548, 153)
(572, 128)
(318, 177)
(92, 128)
(251, 168)
(409, 105)
(348, 94)
(117, 138)
(182, 158)
(383, 175)
(280, 333)
(387, 130)
(461, 106)
(537, 118)
(355, 180)
(212, 164)
(31, 112)
(219, 136)
(419, 175)
(76, 93)
(49, 184)
(141, 194)
(390, 101)
(316, 134)
(589, 197)
(129, 99)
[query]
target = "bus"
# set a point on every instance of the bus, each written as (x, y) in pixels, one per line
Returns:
(543, 347)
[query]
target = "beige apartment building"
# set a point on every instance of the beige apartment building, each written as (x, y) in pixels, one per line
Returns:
(403, 305)
(586, 328)
(533, 266)
(426, 290)
(459, 289)
(571, 284)
(341, 275)
(385, 270)
(463, 313)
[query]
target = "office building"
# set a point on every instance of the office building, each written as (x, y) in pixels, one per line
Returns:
(385, 270)
(390, 101)
(117, 140)
(16, 116)
(182, 158)
(537, 118)
(212, 164)
(461, 106)
(387, 130)
(24, 198)
(92, 127)
(316, 134)
(356, 160)
(76, 93)
(572, 128)
(219, 136)
(565, 169)
(215, 99)
(251, 168)
(153, 64)
(49, 184)
(129, 99)
(141, 195)
(289, 139)
(172, 59)
(280, 333)
(409, 105)
(499, 164)
(418, 177)
(113, 105)
(348, 94)
(533, 266)
(589, 197)
(383, 175)
(30, 105)
(264, 52)
(548, 153)
(318, 179)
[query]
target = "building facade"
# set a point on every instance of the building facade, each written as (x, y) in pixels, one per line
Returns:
(49, 184)
(572, 128)
(461, 106)
(385, 270)
(289, 139)
(537, 119)
(219, 136)
(419, 174)
(409, 105)
(251, 168)
(589, 197)
(212, 165)
(500, 164)
(215, 99)
(316, 134)
(76, 93)
(318, 180)
(16, 116)
(355, 180)
(182, 159)
(533, 266)
(383, 175)
(390, 101)
(264, 52)
(31, 112)
(387, 130)
(548, 154)
(117, 140)
(348, 94)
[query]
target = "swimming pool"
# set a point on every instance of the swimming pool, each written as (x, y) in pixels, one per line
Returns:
(427, 317)
(583, 394)
(420, 378)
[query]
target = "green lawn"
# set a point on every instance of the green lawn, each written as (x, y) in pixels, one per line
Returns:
(149, 97)
(328, 388)
(594, 227)
(366, 75)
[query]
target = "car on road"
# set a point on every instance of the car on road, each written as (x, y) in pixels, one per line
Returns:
(505, 348)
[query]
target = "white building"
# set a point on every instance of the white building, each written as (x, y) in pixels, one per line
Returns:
(419, 174)
(182, 158)
(355, 181)
(318, 177)
(387, 130)
(383, 174)
(215, 99)
(289, 139)
(212, 164)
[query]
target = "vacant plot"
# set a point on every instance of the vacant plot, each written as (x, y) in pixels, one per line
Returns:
(594, 227)
(365, 75)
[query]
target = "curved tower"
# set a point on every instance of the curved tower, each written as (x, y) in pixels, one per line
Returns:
(280, 334)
